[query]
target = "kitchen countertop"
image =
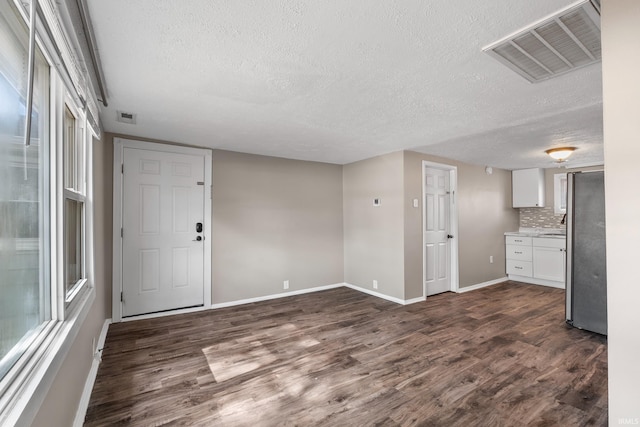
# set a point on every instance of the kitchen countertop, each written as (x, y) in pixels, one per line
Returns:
(544, 232)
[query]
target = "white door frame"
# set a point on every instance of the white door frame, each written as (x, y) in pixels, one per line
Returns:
(119, 144)
(453, 224)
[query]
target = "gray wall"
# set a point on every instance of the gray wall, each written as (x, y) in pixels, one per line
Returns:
(373, 236)
(621, 101)
(484, 215)
(61, 403)
(274, 220)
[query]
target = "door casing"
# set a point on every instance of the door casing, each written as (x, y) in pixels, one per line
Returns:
(119, 144)
(453, 222)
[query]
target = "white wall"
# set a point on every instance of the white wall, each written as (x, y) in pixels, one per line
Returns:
(621, 100)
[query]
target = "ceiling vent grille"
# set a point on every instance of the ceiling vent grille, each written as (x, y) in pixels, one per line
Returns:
(124, 117)
(565, 41)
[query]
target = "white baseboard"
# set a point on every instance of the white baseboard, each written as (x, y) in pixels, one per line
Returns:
(414, 300)
(374, 293)
(534, 281)
(165, 313)
(482, 285)
(91, 377)
(383, 296)
(275, 296)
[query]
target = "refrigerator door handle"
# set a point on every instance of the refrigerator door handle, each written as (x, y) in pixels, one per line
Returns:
(569, 268)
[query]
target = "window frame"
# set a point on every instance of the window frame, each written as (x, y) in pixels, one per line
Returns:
(77, 194)
(25, 385)
(559, 193)
(21, 351)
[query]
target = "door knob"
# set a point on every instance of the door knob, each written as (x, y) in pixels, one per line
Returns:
(198, 238)
(449, 236)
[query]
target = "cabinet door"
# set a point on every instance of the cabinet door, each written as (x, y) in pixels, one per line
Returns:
(528, 188)
(548, 263)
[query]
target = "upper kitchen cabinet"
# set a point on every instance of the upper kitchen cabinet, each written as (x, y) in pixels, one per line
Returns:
(528, 188)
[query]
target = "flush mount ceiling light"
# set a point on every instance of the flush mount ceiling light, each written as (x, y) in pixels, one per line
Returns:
(560, 154)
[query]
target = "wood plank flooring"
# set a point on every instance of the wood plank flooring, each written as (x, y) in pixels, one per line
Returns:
(499, 356)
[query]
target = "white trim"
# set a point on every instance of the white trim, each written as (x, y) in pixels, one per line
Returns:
(454, 279)
(231, 303)
(91, 377)
(414, 300)
(276, 296)
(534, 281)
(119, 144)
(29, 390)
(482, 285)
(383, 296)
(164, 313)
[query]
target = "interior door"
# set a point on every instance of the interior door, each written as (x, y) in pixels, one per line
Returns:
(436, 231)
(163, 239)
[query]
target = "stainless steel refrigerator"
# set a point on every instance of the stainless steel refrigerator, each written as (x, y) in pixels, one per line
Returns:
(586, 299)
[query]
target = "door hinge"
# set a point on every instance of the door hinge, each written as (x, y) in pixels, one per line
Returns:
(121, 232)
(121, 297)
(122, 168)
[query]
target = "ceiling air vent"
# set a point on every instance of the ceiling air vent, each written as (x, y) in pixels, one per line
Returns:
(555, 45)
(124, 117)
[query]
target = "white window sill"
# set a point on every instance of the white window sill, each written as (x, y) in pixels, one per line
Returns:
(28, 389)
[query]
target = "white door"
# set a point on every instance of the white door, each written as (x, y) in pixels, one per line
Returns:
(162, 245)
(436, 231)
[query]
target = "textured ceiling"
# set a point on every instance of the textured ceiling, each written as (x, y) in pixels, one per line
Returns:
(340, 81)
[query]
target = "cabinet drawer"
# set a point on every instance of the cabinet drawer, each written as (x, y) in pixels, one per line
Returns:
(542, 242)
(520, 268)
(520, 253)
(518, 240)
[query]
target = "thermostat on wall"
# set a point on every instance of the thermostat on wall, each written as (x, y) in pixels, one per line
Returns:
(376, 202)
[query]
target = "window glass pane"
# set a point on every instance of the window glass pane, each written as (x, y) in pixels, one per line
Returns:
(73, 219)
(24, 278)
(70, 149)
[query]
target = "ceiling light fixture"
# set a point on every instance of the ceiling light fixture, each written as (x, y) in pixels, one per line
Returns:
(560, 154)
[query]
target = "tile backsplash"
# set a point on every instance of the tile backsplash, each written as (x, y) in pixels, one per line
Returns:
(539, 218)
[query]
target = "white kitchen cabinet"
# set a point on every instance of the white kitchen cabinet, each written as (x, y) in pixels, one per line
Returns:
(519, 256)
(537, 260)
(549, 257)
(527, 188)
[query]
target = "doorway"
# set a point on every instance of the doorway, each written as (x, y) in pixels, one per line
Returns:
(162, 232)
(439, 228)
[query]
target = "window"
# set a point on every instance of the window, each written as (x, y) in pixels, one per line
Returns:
(560, 193)
(45, 214)
(25, 302)
(74, 204)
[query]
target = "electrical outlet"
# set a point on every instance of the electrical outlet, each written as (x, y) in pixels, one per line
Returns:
(490, 259)
(375, 284)
(286, 284)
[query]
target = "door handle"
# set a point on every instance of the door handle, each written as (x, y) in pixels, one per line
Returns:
(199, 227)
(449, 236)
(197, 239)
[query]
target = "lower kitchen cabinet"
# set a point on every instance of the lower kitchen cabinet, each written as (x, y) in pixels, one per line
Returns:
(549, 259)
(537, 260)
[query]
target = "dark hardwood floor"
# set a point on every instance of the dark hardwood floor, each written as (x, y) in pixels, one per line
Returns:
(499, 356)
